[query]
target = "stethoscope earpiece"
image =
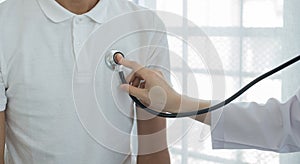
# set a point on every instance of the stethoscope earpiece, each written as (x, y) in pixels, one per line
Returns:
(110, 59)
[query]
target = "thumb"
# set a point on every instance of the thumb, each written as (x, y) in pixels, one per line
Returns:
(134, 91)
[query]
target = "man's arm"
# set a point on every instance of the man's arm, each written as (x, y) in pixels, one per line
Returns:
(153, 147)
(2, 136)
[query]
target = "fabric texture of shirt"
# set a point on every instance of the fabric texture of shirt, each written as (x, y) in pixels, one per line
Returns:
(272, 126)
(39, 45)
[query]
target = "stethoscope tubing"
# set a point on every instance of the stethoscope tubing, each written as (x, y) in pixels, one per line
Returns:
(214, 107)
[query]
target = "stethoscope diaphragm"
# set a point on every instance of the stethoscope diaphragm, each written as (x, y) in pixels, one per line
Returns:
(111, 60)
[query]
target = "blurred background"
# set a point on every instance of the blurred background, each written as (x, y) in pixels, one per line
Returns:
(251, 37)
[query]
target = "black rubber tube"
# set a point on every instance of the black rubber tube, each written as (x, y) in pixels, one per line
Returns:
(217, 106)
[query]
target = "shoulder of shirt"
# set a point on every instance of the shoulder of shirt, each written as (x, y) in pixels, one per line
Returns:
(125, 6)
(4, 8)
(7, 7)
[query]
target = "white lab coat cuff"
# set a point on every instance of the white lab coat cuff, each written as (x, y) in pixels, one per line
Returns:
(217, 129)
(298, 94)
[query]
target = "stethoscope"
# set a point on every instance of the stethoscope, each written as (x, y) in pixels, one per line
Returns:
(112, 63)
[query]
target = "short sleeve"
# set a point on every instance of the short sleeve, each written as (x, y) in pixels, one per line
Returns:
(160, 57)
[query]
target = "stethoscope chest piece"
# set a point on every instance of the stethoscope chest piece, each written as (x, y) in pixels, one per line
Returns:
(110, 59)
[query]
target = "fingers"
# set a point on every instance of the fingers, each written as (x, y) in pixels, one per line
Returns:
(118, 57)
(143, 85)
(136, 82)
(139, 81)
(130, 64)
(132, 77)
(134, 91)
(138, 69)
(159, 72)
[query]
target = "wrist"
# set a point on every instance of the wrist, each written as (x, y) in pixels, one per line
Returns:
(173, 103)
(189, 104)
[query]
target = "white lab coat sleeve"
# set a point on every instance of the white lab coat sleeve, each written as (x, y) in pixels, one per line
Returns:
(272, 126)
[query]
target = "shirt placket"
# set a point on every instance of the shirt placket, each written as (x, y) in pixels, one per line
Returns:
(82, 27)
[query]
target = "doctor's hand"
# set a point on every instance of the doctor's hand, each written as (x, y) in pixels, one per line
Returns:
(150, 87)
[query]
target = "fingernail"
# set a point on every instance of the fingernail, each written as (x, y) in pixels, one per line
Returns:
(118, 58)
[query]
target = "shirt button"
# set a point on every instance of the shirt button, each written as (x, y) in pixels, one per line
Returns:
(78, 20)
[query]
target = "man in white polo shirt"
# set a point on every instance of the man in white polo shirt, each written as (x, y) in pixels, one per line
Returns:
(40, 41)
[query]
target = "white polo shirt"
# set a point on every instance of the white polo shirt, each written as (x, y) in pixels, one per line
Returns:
(39, 44)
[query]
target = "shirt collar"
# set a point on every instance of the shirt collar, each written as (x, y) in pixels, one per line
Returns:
(99, 12)
(55, 12)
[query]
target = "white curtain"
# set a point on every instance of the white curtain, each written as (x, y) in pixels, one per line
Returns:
(251, 37)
